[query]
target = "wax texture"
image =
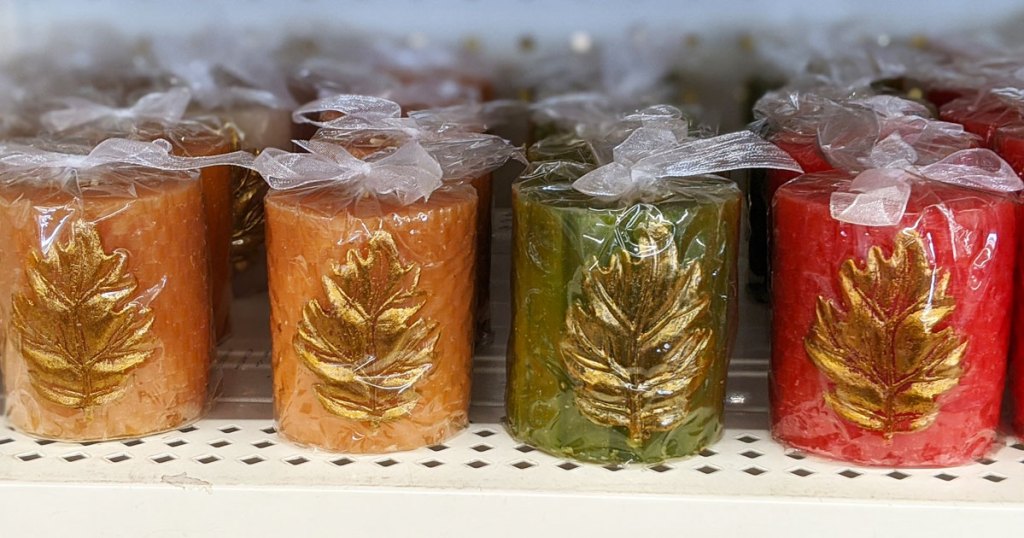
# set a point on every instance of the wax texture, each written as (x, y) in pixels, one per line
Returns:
(105, 302)
(889, 344)
(371, 316)
(982, 115)
(623, 316)
(1009, 144)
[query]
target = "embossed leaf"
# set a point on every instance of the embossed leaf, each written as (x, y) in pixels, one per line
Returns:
(887, 358)
(79, 331)
(635, 348)
(248, 191)
(364, 344)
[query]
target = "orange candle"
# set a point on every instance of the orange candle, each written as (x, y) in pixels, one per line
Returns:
(191, 138)
(371, 317)
(104, 302)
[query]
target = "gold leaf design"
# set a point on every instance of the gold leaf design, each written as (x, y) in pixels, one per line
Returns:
(634, 348)
(79, 331)
(884, 356)
(363, 344)
(248, 191)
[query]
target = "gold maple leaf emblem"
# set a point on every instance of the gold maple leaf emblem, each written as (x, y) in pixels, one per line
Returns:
(77, 328)
(364, 344)
(886, 359)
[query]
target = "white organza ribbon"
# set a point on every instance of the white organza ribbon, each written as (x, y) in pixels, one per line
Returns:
(156, 155)
(167, 107)
(354, 107)
(879, 196)
(649, 155)
(409, 173)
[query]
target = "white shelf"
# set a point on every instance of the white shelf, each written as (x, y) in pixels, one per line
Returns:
(230, 475)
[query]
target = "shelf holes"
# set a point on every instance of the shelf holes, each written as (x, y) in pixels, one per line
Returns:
(132, 442)
(525, 449)
(6, 440)
(707, 453)
(1018, 446)
(437, 448)
(85, 443)
(898, 475)
(430, 464)
(484, 433)
(118, 458)
(660, 468)
(613, 467)
(71, 458)
(523, 465)
(748, 439)
(188, 429)
(946, 477)
(752, 454)
(796, 456)
(994, 478)
(386, 463)
(252, 460)
(296, 461)
(220, 443)
(708, 469)
(162, 458)
(482, 448)
(801, 472)
(341, 462)
(44, 442)
(754, 471)
(568, 466)
(230, 429)
(269, 431)
(477, 464)
(985, 461)
(849, 473)
(29, 457)
(263, 444)
(206, 460)
(175, 443)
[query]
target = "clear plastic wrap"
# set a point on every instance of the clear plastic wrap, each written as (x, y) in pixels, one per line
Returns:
(103, 295)
(369, 126)
(624, 297)
(985, 112)
(159, 115)
(371, 291)
(889, 341)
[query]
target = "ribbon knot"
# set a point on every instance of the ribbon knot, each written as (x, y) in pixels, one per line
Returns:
(164, 107)
(650, 155)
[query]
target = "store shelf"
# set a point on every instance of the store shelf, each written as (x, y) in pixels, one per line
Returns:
(231, 475)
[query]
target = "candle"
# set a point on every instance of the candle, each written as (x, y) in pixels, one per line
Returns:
(261, 127)
(622, 317)
(190, 138)
(1009, 144)
(104, 302)
(889, 343)
(371, 317)
(981, 115)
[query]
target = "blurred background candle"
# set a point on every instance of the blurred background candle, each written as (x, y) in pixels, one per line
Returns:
(355, 372)
(127, 359)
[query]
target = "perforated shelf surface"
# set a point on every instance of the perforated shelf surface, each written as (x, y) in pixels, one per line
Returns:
(233, 461)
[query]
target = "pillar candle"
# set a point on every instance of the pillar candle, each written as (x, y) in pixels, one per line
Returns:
(889, 344)
(104, 302)
(1009, 144)
(371, 317)
(622, 317)
(982, 116)
(191, 139)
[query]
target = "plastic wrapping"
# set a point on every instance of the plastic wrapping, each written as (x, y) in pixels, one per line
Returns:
(371, 269)
(984, 113)
(103, 294)
(159, 115)
(1009, 144)
(624, 297)
(371, 126)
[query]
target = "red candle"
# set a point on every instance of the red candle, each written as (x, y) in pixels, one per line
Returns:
(889, 344)
(805, 151)
(1009, 144)
(982, 116)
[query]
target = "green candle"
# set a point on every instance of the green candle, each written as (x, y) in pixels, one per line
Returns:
(623, 314)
